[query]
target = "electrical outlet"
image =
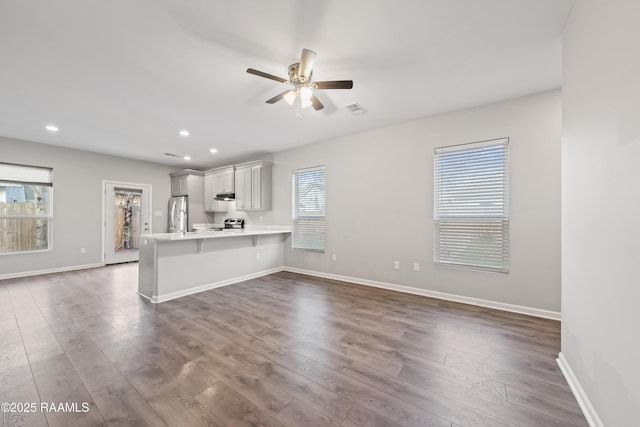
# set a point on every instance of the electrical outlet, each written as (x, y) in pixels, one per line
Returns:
(334, 257)
(416, 266)
(396, 265)
(83, 250)
(257, 255)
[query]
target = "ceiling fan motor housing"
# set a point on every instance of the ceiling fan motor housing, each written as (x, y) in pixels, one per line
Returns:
(297, 80)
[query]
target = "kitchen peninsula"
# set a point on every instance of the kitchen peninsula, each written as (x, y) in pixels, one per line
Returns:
(173, 265)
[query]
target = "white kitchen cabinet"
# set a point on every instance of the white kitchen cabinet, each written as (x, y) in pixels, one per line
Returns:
(186, 182)
(179, 184)
(243, 189)
(256, 182)
(210, 190)
(225, 179)
(217, 181)
(253, 186)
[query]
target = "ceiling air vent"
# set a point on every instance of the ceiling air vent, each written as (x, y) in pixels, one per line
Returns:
(171, 155)
(356, 109)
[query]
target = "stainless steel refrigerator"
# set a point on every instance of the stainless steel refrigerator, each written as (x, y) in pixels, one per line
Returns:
(179, 214)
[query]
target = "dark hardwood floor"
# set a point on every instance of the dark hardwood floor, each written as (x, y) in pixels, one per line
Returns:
(282, 350)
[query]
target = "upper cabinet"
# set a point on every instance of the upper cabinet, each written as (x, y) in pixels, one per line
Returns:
(253, 186)
(210, 182)
(180, 185)
(217, 181)
(225, 179)
(185, 182)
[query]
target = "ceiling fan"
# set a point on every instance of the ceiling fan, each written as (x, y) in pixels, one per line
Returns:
(300, 75)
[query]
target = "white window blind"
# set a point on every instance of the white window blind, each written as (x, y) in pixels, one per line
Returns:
(25, 174)
(471, 205)
(308, 224)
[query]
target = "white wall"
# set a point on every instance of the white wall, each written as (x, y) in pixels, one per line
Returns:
(380, 202)
(601, 207)
(77, 201)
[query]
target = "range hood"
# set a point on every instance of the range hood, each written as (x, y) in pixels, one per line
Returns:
(225, 197)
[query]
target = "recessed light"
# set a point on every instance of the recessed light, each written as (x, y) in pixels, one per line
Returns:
(184, 132)
(213, 150)
(187, 158)
(52, 128)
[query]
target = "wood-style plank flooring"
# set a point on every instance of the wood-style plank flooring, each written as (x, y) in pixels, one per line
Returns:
(282, 350)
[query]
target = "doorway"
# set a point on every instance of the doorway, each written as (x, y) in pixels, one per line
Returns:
(126, 217)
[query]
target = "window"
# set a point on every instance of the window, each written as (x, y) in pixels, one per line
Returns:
(308, 209)
(471, 206)
(25, 208)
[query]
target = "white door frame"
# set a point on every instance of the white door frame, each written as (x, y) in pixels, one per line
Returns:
(105, 182)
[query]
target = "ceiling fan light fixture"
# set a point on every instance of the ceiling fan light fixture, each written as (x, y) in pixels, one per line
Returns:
(290, 97)
(305, 96)
(305, 93)
(304, 103)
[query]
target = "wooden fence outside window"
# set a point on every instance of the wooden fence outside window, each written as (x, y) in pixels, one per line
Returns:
(22, 234)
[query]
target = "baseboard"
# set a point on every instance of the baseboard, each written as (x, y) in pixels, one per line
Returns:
(48, 271)
(585, 404)
(144, 297)
(214, 285)
(546, 314)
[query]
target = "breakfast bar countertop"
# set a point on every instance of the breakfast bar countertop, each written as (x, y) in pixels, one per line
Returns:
(212, 234)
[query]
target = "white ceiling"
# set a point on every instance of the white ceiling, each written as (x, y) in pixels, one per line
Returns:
(123, 77)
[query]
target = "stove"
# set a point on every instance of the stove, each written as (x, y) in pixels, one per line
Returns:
(233, 223)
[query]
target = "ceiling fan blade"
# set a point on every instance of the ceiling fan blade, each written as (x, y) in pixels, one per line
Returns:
(336, 84)
(266, 75)
(307, 59)
(315, 102)
(277, 97)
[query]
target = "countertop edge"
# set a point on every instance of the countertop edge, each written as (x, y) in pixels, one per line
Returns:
(177, 237)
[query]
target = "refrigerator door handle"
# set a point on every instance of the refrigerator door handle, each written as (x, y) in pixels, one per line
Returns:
(172, 210)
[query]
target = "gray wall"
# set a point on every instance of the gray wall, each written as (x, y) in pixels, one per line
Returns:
(601, 206)
(380, 202)
(77, 203)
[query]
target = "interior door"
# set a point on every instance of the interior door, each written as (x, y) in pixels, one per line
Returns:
(127, 217)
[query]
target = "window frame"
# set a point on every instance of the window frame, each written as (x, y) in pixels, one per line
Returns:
(295, 211)
(465, 221)
(25, 176)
